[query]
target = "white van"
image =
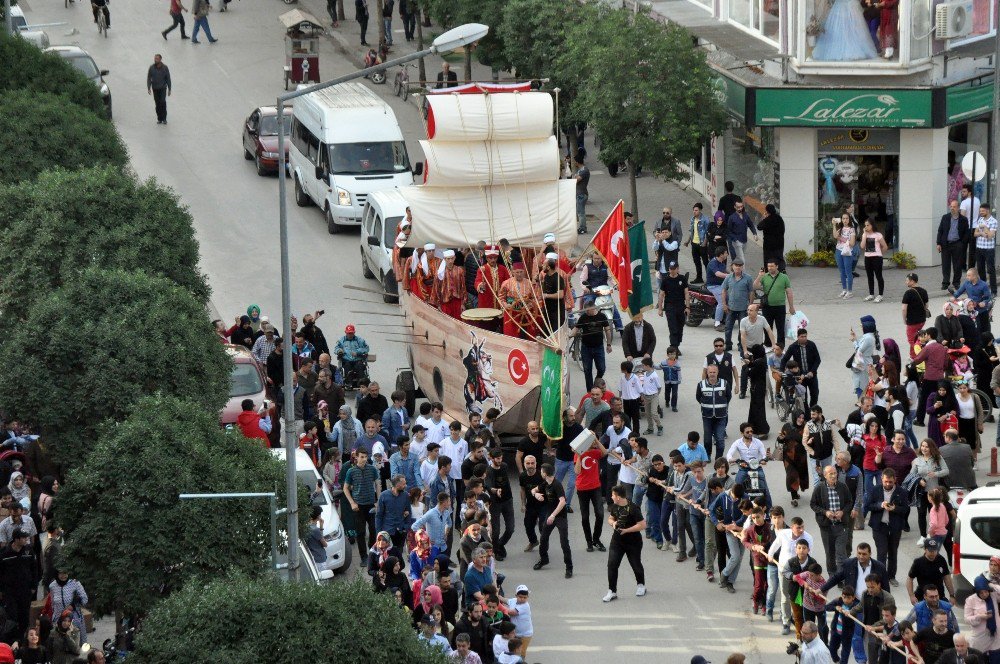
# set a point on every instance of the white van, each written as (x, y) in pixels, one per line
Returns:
(384, 210)
(338, 550)
(345, 144)
(977, 537)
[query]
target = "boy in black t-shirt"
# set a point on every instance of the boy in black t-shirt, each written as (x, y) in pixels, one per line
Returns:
(626, 519)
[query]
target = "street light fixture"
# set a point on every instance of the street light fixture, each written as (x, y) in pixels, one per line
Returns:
(452, 40)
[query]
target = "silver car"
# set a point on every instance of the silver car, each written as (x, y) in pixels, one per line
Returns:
(80, 59)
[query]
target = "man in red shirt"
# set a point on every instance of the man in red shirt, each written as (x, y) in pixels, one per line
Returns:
(254, 425)
(935, 358)
(588, 489)
(176, 7)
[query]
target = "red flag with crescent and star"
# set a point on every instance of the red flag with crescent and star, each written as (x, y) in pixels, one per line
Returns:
(611, 241)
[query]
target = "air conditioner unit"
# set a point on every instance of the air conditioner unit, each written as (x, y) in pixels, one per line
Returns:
(953, 19)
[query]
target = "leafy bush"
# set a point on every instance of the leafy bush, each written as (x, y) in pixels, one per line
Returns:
(130, 537)
(42, 130)
(25, 67)
(242, 621)
(93, 348)
(796, 257)
(64, 222)
(823, 258)
(904, 259)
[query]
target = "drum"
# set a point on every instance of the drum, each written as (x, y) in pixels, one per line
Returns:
(485, 318)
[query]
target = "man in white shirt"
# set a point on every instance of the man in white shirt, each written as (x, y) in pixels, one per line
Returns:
(651, 385)
(418, 442)
(984, 229)
(455, 447)
(783, 548)
(437, 428)
(814, 651)
(429, 466)
(614, 435)
(746, 448)
(970, 204)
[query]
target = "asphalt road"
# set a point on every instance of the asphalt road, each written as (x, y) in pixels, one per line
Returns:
(199, 155)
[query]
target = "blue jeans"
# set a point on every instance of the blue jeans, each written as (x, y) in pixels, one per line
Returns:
(736, 249)
(814, 475)
(562, 469)
(733, 319)
(844, 265)
(741, 477)
(581, 212)
(858, 646)
(855, 255)
(717, 292)
(697, 522)
(681, 523)
(732, 568)
(653, 516)
(591, 357)
(638, 493)
(388, 30)
(714, 430)
(871, 480)
(772, 586)
(201, 24)
(911, 437)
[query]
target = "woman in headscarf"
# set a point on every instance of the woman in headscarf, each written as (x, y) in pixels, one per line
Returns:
(430, 596)
(19, 489)
(346, 431)
(758, 391)
(966, 316)
(717, 232)
(380, 552)
(64, 641)
(253, 313)
(772, 226)
(391, 576)
(794, 456)
(985, 360)
(420, 556)
(890, 353)
(942, 412)
(68, 595)
(242, 334)
(864, 353)
(981, 614)
(948, 327)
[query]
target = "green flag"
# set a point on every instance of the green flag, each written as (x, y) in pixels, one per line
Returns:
(552, 394)
(641, 297)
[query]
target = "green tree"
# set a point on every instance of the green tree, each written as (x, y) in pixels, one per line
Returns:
(91, 349)
(131, 539)
(648, 92)
(26, 67)
(39, 130)
(242, 621)
(63, 222)
(535, 34)
(490, 49)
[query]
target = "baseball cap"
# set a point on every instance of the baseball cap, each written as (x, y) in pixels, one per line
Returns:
(428, 620)
(349, 329)
(738, 261)
(672, 265)
(418, 427)
(522, 590)
(698, 659)
(931, 544)
(913, 276)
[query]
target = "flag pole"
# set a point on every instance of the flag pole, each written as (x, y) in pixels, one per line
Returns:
(590, 244)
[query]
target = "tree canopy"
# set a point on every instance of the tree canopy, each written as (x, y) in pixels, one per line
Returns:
(64, 222)
(131, 540)
(644, 89)
(243, 621)
(92, 348)
(39, 130)
(26, 67)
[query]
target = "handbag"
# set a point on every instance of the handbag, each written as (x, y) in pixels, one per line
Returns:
(927, 312)
(762, 294)
(856, 362)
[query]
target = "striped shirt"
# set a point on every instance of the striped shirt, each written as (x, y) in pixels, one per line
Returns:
(362, 481)
(982, 241)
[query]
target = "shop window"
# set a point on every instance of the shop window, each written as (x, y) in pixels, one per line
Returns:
(962, 139)
(851, 31)
(751, 162)
(760, 16)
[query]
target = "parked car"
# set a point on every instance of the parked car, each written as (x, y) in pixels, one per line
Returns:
(338, 550)
(977, 537)
(39, 38)
(383, 212)
(80, 59)
(247, 381)
(260, 138)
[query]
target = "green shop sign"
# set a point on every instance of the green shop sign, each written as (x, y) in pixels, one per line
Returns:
(838, 107)
(968, 101)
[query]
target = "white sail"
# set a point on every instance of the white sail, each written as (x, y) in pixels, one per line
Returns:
(492, 173)
(458, 164)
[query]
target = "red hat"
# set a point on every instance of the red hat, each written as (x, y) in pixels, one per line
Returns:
(349, 329)
(518, 265)
(491, 250)
(6, 654)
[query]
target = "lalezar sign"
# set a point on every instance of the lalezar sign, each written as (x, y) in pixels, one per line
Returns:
(840, 107)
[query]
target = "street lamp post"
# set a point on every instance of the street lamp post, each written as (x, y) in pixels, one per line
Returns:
(451, 40)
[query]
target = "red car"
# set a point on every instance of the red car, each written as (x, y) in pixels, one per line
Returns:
(247, 381)
(260, 138)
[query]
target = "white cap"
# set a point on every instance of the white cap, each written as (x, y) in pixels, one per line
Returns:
(549, 237)
(429, 246)
(521, 589)
(449, 253)
(552, 256)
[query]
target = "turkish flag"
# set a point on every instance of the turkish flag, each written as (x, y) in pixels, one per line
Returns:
(611, 241)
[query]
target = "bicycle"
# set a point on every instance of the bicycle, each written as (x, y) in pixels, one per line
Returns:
(102, 21)
(792, 398)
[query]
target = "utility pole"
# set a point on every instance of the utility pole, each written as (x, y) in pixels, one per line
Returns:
(8, 19)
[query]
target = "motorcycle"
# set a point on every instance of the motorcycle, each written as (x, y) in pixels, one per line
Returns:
(754, 482)
(703, 305)
(373, 58)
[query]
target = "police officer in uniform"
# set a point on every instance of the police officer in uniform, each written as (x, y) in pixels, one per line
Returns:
(674, 303)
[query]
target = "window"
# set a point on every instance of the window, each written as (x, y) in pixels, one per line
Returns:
(988, 530)
(269, 125)
(761, 16)
(377, 231)
(391, 223)
(369, 158)
(308, 479)
(244, 380)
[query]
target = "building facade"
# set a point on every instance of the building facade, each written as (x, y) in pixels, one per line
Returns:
(834, 102)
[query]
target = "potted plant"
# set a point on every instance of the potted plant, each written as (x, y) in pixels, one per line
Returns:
(904, 260)
(796, 257)
(822, 258)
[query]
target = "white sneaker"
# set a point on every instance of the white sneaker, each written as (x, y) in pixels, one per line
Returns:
(640, 590)
(889, 52)
(878, 298)
(842, 293)
(920, 542)
(610, 596)
(849, 295)
(869, 298)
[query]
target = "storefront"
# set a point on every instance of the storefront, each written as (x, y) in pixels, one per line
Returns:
(893, 153)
